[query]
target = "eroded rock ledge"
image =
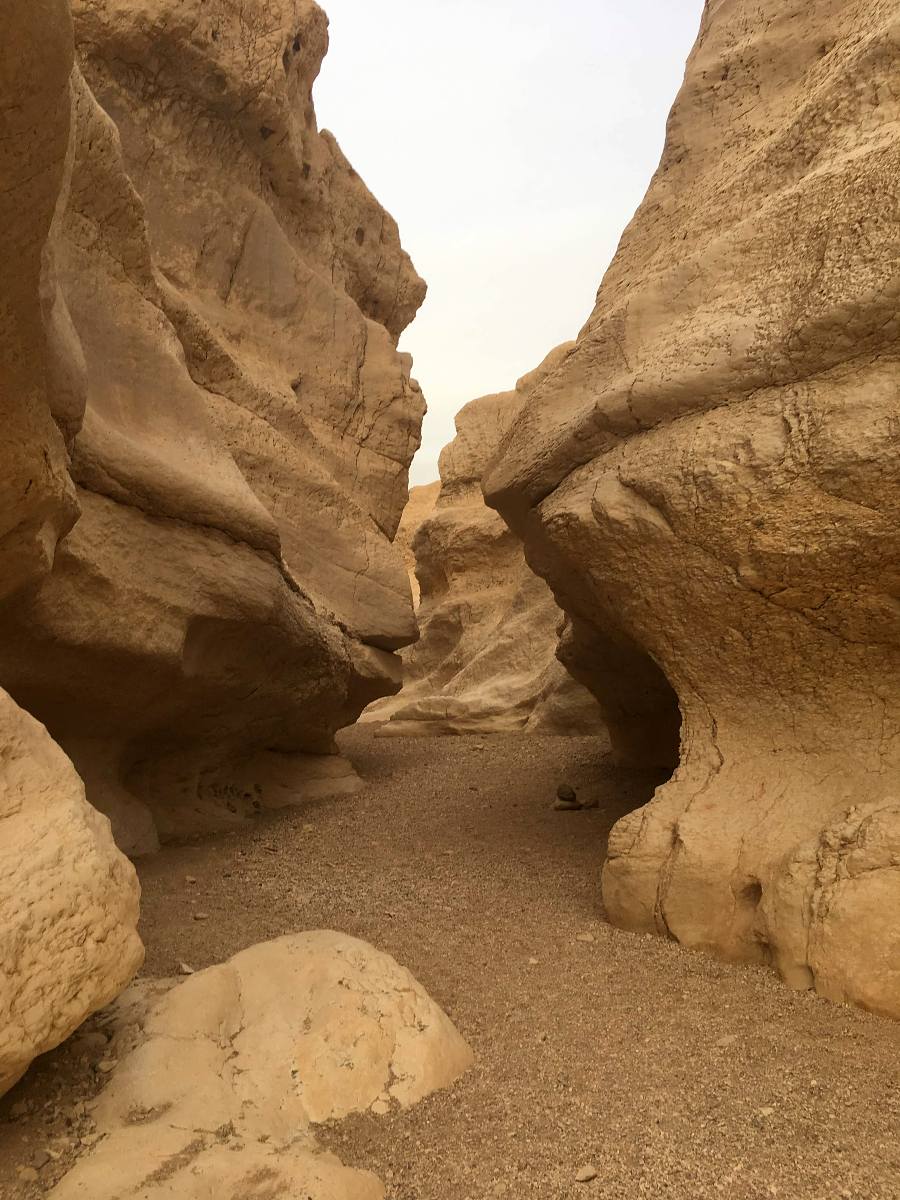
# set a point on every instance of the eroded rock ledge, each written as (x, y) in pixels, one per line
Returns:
(709, 481)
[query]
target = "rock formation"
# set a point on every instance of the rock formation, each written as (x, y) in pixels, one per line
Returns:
(68, 897)
(220, 302)
(221, 1078)
(486, 661)
(709, 481)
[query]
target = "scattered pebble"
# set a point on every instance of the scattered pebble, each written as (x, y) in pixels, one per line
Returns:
(585, 937)
(201, 916)
(728, 1040)
(190, 879)
(28, 1174)
(185, 968)
(107, 1065)
(533, 962)
(567, 794)
(586, 1175)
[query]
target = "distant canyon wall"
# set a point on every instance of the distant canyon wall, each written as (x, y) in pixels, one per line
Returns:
(486, 661)
(710, 482)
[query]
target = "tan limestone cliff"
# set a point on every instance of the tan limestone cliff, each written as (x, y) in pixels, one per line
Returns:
(486, 660)
(709, 481)
(222, 298)
(68, 897)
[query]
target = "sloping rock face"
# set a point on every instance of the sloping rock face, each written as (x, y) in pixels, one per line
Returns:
(709, 480)
(486, 661)
(222, 1078)
(419, 508)
(226, 300)
(68, 897)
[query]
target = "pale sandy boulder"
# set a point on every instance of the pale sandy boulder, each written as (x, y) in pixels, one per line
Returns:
(222, 1077)
(228, 296)
(68, 900)
(486, 661)
(709, 481)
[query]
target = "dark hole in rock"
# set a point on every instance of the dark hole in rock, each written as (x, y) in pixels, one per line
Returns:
(752, 894)
(297, 44)
(639, 705)
(360, 236)
(296, 385)
(307, 167)
(265, 132)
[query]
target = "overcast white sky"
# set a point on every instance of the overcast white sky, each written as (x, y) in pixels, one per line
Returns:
(512, 140)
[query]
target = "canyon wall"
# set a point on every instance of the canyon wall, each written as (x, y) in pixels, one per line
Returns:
(207, 432)
(486, 661)
(221, 302)
(710, 481)
(68, 897)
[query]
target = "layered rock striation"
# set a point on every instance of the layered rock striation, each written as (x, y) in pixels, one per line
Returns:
(214, 313)
(486, 661)
(709, 481)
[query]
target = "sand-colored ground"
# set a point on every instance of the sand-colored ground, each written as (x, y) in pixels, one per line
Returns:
(672, 1075)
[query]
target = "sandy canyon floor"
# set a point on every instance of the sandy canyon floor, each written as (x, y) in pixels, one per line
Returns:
(669, 1074)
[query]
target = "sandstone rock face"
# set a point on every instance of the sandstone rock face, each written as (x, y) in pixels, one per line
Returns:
(68, 898)
(419, 508)
(709, 480)
(486, 661)
(37, 499)
(227, 1072)
(222, 299)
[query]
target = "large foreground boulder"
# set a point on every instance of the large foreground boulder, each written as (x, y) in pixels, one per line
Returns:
(215, 315)
(710, 480)
(68, 899)
(221, 1079)
(486, 661)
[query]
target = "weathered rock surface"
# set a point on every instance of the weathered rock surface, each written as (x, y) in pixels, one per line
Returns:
(419, 508)
(222, 299)
(486, 661)
(221, 1078)
(709, 481)
(68, 897)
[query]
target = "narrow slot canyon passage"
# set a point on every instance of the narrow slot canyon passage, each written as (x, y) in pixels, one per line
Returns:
(593, 1046)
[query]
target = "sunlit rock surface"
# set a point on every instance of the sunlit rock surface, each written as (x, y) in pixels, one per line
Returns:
(709, 481)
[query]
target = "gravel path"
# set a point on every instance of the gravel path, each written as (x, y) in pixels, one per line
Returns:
(653, 1071)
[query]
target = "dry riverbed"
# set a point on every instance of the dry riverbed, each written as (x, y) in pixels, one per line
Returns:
(647, 1070)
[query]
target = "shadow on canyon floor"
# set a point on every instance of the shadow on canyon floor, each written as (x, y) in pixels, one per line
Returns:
(672, 1074)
